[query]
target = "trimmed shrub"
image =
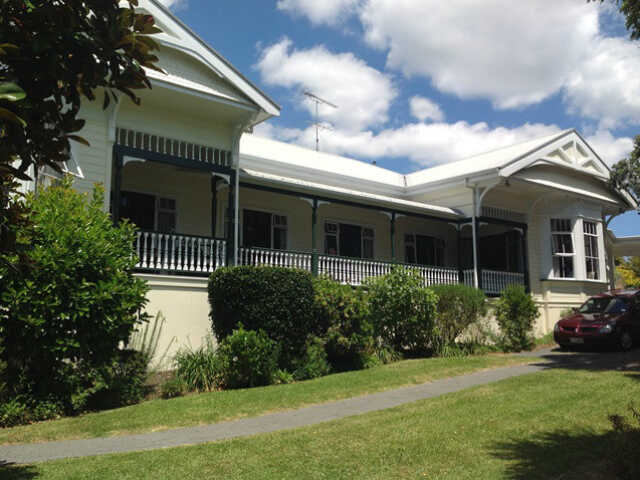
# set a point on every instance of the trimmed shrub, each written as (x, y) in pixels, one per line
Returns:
(69, 305)
(403, 311)
(199, 370)
(277, 300)
(313, 363)
(282, 377)
(459, 306)
(349, 338)
(248, 359)
(516, 313)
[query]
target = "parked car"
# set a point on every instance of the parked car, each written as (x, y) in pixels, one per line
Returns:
(609, 319)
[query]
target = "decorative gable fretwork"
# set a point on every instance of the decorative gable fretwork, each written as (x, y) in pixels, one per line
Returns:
(574, 155)
(176, 148)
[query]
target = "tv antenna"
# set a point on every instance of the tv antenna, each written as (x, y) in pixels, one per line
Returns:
(318, 125)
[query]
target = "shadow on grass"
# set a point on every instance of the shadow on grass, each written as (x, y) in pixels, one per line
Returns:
(594, 360)
(11, 471)
(558, 455)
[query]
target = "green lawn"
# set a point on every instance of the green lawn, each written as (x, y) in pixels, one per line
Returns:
(218, 406)
(548, 425)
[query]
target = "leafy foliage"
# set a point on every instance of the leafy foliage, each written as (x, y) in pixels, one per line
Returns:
(629, 271)
(625, 174)
(516, 313)
(68, 308)
(198, 370)
(403, 311)
(313, 363)
(279, 301)
(52, 55)
(459, 306)
(349, 337)
(248, 359)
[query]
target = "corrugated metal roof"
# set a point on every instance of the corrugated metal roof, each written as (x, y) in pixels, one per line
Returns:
(382, 200)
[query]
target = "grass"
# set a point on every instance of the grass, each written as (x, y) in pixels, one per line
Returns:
(544, 341)
(551, 424)
(225, 405)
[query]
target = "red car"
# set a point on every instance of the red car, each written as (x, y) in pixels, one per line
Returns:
(609, 319)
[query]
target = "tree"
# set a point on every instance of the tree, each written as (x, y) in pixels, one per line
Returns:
(629, 271)
(52, 56)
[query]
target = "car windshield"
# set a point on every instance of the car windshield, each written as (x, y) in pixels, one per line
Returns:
(604, 305)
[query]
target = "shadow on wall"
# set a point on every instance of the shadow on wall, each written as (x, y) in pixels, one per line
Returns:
(11, 471)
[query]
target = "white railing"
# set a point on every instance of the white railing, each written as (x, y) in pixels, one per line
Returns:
(274, 258)
(179, 253)
(467, 277)
(494, 282)
(351, 270)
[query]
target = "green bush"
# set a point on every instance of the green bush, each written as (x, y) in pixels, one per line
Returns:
(278, 301)
(248, 359)
(21, 410)
(403, 311)
(172, 388)
(314, 362)
(516, 313)
(459, 306)
(349, 337)
(71, 302)
(124, 381)
(199, 370)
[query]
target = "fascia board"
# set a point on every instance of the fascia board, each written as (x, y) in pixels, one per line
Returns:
(216, 62)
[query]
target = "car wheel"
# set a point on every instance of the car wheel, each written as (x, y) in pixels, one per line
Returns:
(625, 341)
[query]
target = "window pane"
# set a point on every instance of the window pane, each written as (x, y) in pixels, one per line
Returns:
(331, 227)
(562, 243)
(280, 238)
(331, 245)
(560, 225)
(367, 248)
(563, 267)
(592, 269)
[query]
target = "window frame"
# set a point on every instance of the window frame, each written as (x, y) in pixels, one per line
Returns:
(157, 197)
(594, 240)
(563, 255)
(414, 244)
(272, 226)
(363, 237)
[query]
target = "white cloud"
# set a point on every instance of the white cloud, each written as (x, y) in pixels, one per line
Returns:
(424, 109)
(513, 53)
(175, 4)
(328, 12)
(609, 148)
(606, 87)
(424, 144)
(362, 93)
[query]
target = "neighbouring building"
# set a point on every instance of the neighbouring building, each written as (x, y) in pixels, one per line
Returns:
(204, 194)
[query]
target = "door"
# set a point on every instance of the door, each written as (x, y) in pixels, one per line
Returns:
(256, 229)
(139, 209)
(350, 240)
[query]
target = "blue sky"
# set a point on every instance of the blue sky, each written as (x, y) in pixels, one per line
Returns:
(420, 83)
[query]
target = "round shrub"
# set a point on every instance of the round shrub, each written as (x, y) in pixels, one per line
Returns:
(248, 359)
(349, 338)
(459, 306)
(70, 303)
(276, 300)
(403, 311)
(516, 313)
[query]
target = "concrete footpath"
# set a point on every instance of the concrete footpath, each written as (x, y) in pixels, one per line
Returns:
(40, 452)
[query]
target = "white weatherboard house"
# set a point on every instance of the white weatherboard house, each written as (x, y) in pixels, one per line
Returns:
(204, 195)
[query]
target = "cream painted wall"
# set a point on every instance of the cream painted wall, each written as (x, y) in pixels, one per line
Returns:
(184, 304)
